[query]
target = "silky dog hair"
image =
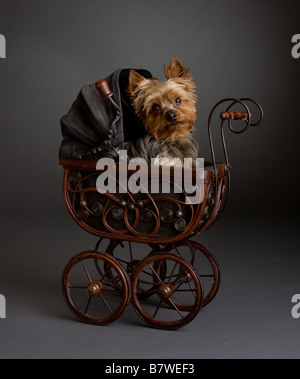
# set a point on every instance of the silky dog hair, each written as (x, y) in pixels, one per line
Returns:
(168, 112)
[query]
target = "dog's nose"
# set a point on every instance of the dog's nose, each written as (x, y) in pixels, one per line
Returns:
(171, 116)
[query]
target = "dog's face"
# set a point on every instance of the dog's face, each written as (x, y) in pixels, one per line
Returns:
(167, 109)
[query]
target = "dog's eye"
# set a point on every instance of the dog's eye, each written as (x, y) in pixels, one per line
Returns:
(177, 101)
(156, 108)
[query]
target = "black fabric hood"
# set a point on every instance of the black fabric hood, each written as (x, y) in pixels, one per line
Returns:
(86, 126)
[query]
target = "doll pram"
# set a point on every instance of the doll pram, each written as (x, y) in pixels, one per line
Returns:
(145, 253)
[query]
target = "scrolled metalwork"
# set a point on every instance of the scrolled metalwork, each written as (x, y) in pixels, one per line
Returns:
(227, 118)
(127, 215)
(248, 121)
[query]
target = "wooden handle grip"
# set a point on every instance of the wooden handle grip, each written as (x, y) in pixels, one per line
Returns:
(234, 115)
(103, 87)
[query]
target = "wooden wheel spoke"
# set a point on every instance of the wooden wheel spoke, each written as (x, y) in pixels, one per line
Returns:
(106, 304)
(157, 308)
(147, 273)
(86, 271)
(176, 308)
(171, 275)
(88, 304)
(192, 290)
(156, 274)
(77, 287)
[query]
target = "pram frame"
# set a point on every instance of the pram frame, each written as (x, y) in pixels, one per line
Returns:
(165, 249)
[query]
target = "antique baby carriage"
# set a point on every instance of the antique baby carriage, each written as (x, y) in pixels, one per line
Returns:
(145, 253)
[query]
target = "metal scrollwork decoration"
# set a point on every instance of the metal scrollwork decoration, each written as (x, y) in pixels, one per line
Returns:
(126, 214)
(227, 117)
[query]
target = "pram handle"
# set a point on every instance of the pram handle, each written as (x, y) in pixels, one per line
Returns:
(227, 119)
(103, 87)
(234, 116)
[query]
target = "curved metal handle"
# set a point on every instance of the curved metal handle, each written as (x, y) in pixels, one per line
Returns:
(227, 118)
(234, 116)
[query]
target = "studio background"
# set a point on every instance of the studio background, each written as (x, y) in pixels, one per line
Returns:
(233, 49)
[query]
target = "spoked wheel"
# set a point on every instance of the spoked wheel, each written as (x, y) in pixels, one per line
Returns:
(179, 285)
(90, 293)
(130, 255)
(202, 259)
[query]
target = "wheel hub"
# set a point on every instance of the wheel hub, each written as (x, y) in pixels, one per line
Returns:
(186, 277)
(165, 291)
(95, 288)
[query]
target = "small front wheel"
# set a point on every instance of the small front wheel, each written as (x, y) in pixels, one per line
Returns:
(93, 295)
(180, 284)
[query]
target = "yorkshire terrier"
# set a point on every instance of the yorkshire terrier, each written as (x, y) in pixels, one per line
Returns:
(167, 110)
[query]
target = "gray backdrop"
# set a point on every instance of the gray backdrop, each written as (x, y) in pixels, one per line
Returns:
(233, 49)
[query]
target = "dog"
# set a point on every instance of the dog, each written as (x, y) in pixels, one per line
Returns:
(168, 111)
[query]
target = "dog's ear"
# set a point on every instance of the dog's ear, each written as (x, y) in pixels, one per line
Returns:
(176, 70)
(134, 80)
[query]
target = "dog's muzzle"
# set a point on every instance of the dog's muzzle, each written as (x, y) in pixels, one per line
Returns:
(171, 116)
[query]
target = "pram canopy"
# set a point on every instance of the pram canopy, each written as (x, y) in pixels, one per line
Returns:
(86, 128)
